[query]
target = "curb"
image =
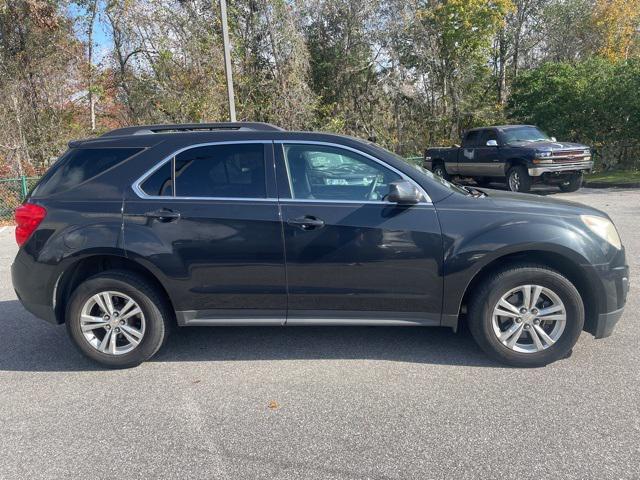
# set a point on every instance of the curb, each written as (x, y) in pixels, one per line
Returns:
(610, 185)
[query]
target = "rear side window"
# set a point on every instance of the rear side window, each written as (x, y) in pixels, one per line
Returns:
(217, 171)
(79, 165)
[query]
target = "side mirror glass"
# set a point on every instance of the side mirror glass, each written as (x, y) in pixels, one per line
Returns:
(403, 192)
(553, 139)
(492, 143)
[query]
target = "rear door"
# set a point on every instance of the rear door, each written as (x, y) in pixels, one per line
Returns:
(206, 221)
(352, 257)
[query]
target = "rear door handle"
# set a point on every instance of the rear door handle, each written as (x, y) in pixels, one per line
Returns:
(163, 215)
(308, 222)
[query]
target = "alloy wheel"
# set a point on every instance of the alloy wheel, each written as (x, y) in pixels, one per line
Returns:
(529, 318)
(112, 323)
(514, 181)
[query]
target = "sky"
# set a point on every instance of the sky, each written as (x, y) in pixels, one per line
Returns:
(101, 36)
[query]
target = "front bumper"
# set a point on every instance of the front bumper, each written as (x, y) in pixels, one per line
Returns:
(616, 287)
(560, 168)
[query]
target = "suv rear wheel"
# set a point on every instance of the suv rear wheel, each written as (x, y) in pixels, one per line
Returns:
(518, 179)
(526, 316)
(117, 319)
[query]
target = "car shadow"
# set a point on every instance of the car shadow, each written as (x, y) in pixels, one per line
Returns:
(30, 344)
(538, 189)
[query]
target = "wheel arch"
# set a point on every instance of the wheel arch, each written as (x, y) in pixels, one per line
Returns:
(563, 264)
(77, 272)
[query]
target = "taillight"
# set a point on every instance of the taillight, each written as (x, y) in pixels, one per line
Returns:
(28, 217)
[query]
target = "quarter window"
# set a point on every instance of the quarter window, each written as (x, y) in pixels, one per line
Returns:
(329, 173)
(220, 171)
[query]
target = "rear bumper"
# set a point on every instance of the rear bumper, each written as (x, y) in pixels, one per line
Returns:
(561, 168)
(32, 285)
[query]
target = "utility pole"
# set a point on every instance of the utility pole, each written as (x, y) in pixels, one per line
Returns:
(227, 60)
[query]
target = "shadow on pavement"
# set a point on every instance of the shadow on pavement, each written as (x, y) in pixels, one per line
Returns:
(30, 344)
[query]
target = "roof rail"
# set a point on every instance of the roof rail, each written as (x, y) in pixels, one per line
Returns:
(192, 127)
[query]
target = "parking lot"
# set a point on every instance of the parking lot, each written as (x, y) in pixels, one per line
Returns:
(325, 403)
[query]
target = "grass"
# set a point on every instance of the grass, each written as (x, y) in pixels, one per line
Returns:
(615, 177)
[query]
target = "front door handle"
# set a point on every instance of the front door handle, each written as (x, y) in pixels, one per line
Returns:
(163, 215)
(306, 223)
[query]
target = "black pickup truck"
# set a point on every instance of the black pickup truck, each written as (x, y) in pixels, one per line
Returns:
(522, 154)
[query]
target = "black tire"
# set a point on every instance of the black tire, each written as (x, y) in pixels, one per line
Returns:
(573, 184)
(484, 300)
(482, 181)
(157, 314)
(439, 170)
(518, 179)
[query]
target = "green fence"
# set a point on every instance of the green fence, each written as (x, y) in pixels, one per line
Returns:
(12, 193)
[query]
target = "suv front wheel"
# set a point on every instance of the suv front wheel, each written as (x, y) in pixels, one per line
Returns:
(117, 319)
(526, 316)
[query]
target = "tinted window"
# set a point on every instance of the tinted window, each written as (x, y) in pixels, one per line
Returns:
(489, 135)
(328, 173)
(79, 165)
(233, 171)
(159, 184)
(472, 139)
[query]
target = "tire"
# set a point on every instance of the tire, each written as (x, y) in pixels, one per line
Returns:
(524, 352)
(518, 179)
(482, 181)
(573, 184)
(148, 328)
(439, 170)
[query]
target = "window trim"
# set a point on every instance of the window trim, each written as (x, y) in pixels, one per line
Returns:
(136, 186)
(425, 201)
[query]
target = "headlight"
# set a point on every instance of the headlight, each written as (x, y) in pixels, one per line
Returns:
(604, 228)
(543, 154)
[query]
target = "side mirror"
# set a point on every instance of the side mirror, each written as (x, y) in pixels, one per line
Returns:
(403, 192)
(553, 139)
(492, 143)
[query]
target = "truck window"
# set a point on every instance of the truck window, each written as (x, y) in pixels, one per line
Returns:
(489, 135)
(472, 138)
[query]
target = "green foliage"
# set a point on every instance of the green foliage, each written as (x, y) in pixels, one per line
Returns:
(594, 102)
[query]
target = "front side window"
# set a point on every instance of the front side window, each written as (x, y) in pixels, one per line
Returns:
(328, 173)
(489, 135)
(218, 171)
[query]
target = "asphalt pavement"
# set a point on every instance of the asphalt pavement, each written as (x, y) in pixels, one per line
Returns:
(322, 403)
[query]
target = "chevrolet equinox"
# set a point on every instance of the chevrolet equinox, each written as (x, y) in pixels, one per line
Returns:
(147, 227)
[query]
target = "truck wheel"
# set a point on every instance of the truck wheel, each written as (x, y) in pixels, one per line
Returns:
(526, 315)
(439, 170)
(573, 184)
(118, 319)
(518, 179)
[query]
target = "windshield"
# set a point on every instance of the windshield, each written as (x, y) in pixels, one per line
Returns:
(525, 134)
(421, 170)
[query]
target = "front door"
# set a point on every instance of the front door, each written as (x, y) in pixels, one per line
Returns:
(487, 157)
(207, 223)
(351, 256)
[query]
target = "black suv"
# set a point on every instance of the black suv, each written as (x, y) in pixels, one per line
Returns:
(247, 224)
